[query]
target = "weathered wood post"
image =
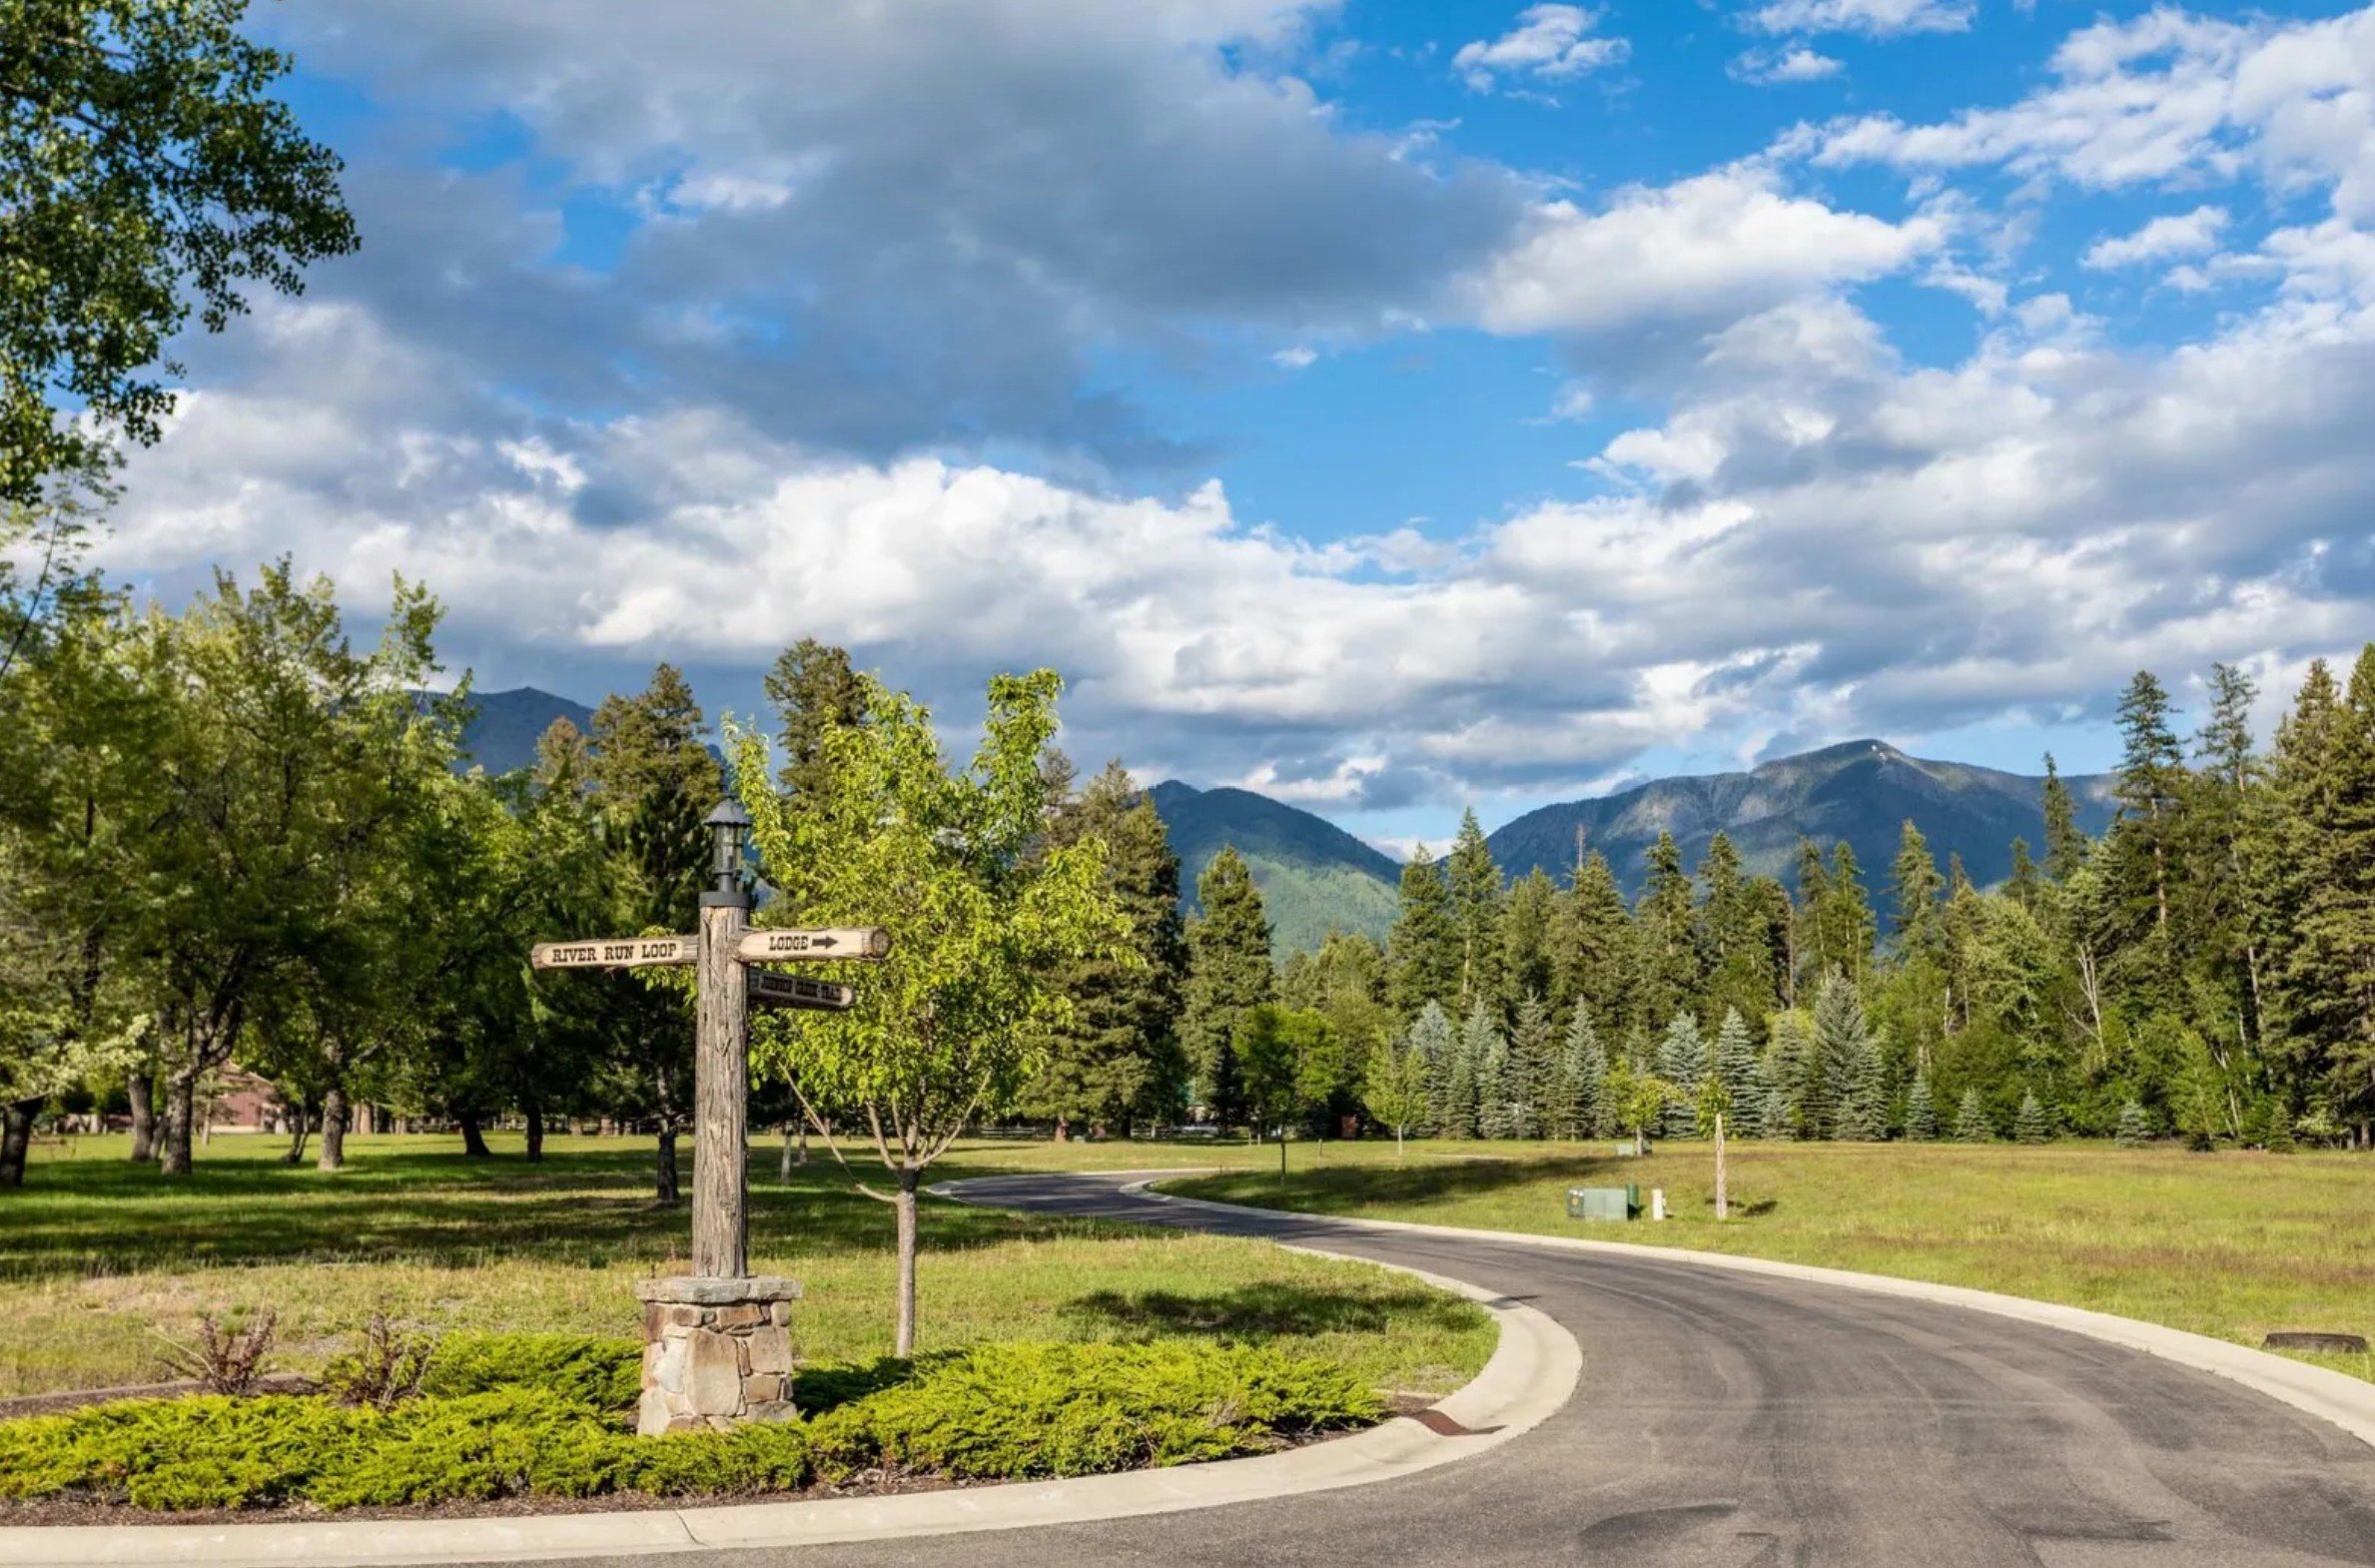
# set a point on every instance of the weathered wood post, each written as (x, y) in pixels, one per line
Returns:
(721, 1063)
(1723, 1205)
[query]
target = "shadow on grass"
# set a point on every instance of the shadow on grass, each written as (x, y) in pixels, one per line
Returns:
(583, 1209)
(1265, 1311)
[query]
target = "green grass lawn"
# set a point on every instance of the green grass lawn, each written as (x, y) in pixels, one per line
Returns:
(95, 1252)
(2228, 1244)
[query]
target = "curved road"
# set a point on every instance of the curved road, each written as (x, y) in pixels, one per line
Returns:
(1729, 1421)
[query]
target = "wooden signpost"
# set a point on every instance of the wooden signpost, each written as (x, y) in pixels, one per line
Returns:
(693, 1369)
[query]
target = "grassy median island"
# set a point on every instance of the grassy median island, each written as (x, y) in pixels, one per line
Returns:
(1048, 1346)
(2229, 1244)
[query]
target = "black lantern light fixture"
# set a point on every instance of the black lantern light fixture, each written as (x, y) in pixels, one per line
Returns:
(728, 824)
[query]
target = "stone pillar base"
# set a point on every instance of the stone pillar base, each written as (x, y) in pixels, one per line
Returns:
(716, 1352)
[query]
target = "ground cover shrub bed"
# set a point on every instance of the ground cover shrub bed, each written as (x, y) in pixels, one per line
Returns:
(541, 1416)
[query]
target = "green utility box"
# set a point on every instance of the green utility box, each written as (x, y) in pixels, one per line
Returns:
(1603, 1202)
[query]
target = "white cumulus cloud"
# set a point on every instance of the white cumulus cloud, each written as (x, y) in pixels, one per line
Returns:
(1551, 42)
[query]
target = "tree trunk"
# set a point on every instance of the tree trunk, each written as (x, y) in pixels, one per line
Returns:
(535, 1130)
(906, 1205)
(1723, 1192)
(16, 1134)
(664, 1175)
(473, 1139)
(783, 1164)
(181, 1104)
(301, 1121)
(333, 1130)
(141, 1088)
(1063, 1130)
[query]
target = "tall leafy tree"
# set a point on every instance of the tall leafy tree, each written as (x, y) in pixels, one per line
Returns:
(1229, 972)
(147, 170)
(1394, 1084)
(272, 774)
(948, 1027)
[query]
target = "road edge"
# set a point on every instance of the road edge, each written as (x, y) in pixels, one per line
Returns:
(2335, 1397)
(1532, 1372)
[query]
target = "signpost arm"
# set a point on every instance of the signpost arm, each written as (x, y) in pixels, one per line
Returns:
(721, 1069)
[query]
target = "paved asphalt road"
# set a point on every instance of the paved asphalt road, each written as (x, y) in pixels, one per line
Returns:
(1725, 1420)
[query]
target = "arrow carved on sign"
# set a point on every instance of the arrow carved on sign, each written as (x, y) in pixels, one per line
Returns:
(814, 946)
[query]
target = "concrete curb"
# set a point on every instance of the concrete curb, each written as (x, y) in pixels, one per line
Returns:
(2345, 1401)
(1532, 1372)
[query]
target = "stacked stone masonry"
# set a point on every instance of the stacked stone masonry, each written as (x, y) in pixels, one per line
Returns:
(716, 1352)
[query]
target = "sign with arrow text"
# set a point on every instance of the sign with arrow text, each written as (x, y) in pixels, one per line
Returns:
(832, 942)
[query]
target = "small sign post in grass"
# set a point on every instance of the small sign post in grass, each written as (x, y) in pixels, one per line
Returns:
(717, 1342)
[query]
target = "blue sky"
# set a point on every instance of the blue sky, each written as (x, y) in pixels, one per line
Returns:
(1391, 406)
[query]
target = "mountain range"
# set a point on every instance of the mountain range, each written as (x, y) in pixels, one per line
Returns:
(1315, 877)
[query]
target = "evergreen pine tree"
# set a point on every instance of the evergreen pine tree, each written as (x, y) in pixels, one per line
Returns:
(1682, 1063)
(1743, 1072)
(1668, 946)
(1495, 1106)
(1970, 1120)
(1914, 888)
(1806, 936)
(1228, 974)
(1422, 954)
(2065, 846)
(2135, 1127)
(1527, 914)
(2329, 972)
(1921, 1114)
(1775, 1115)
(1438, 1045)
(1475, 883)
(2025, 885)
(2151, 787)
(1848, 926)
(2029, 1124)
(1534, 1071)
(1592, 959)
(1118, 1057)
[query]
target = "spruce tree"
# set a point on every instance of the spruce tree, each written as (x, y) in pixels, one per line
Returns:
(2029, 1124)
(1914, 889)
(1743, 1072)
(2152, 788)
(2065, 845)
(1534, 1070)
(2135, 1127)
(1797, 1075)
(1668, 946)
(1848, 925)
(1849, 1063)
(1805, 937)
(1682, 1063)
(1229, 973)
(1460, 1096)
(1775, 1115)
(1920, 1113)
(1970, 1120)
(1583, 1079)
(2330, 970)
(1422, 954)
(1485, 1043)
(1436, 1044)
(1527, 916)
(1475, 883)
(2025, 885)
